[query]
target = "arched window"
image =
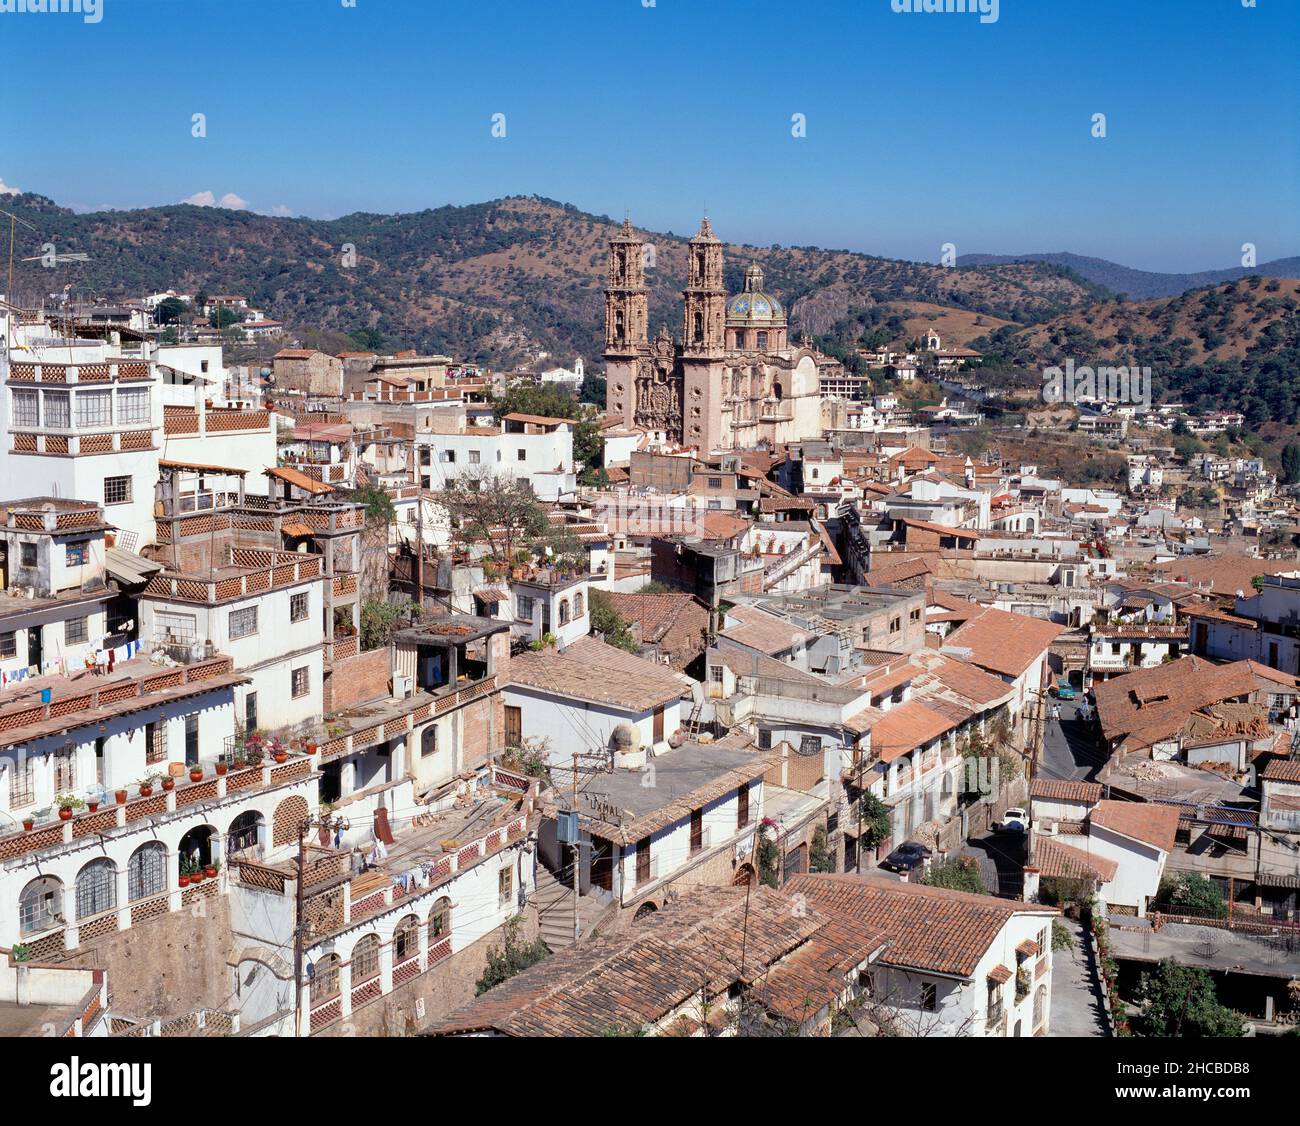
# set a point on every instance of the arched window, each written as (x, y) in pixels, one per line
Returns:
(619, 326)
(406, 939)
(365, 959)
(96, 888)
(325, 979)
(41, 905)
(440, 920)
(698, 329)
(1040, 1005)
(146, 871)
(564, 611)
(244, 835)
(579, 607)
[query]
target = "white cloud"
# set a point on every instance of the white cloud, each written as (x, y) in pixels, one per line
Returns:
(280, 211)
(209, 199)
(5, 189)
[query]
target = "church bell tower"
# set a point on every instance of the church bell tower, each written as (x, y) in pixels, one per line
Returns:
(703, 331)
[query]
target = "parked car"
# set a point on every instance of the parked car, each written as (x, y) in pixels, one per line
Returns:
(1064, 690)
(906, 857)
(1015, 820)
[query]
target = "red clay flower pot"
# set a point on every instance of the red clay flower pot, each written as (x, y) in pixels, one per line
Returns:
(92, 806)
(169, 783)
(196, 776)
(222, 768)
(210, 871)
(65, 815)
(146, 791)
(184, 881)
(120, 795)
(281, 756)
(27, 824)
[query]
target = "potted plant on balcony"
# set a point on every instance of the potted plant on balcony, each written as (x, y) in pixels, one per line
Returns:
(68, 805)
(92, 804)
(222, 766)
(210, 870)
(147, 784)
(168, 782)
(196, 772)
(28, 822)
(120, 796)
(278, 750)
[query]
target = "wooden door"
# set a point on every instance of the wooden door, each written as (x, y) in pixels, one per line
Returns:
(643, 861)
(659, 725)
(514, 726)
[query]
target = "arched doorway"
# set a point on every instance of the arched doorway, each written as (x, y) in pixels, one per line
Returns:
(244, 837)
(744, 875)
(644, 912)
(146, 871)
(40, 906)
(289, 816)
(199, 846)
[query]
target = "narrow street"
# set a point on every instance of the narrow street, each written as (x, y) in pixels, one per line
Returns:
(1076, 991)
(1070, 749)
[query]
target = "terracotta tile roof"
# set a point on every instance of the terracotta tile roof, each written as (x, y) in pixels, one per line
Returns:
(941, 529)
(692, 947)
(1066, 862)
(1063, 789)
(757, 629)
(591, 670)
(1224, 574)
(1283, 770)
(657, 613)
(1000, 974)
(1005, 643)
(905, 727)
(899, 572)
(540, 419)
(1147, 706)
(300, 480)
(723, 526)
(1274, 675)
(967, 681)
(1151, 823)
(928, 929)
(1029, 948)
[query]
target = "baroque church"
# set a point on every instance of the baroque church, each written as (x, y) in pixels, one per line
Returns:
(731, 382)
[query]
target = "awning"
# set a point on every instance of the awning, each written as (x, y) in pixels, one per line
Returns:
(295, 529)
(129, 568)
(999, 974)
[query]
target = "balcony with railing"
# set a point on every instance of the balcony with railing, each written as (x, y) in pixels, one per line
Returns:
(253, 571)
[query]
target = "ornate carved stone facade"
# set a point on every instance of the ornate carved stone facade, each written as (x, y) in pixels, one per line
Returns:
(731, 382)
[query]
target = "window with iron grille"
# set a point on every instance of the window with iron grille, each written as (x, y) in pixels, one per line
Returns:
(242, 623)
(325, 979)
(300, 684)
(155, 741)
(440, 919)
(94, 408)
(25, 413)
(174, 627)
(298, 607)
(40, 906)
(133, 405)
(146, 871)
(8, 644)
(742, 807)
(76, 630)
(96, 888)
(65, 770)
(505, 886)
(406, 939)
(22, 781)
(365, 959)
(117, 490)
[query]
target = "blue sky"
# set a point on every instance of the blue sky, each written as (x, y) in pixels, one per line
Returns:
(922, 129)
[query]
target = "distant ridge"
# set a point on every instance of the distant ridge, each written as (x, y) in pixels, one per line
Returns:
(1138, 284)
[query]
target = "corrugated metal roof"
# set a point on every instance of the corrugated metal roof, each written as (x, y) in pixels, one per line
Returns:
(128, 567)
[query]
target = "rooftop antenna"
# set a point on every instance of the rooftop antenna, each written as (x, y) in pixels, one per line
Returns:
(9, 289)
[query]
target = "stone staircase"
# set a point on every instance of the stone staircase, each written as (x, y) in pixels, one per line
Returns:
(555, 911)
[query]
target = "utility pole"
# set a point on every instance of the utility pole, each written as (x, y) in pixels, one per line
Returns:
(577, 847)
(419, 526)
(297, 932)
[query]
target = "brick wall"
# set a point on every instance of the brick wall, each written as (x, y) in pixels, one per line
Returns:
(358, 679)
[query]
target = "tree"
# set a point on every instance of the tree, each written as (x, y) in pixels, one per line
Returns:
(223, 317)
(606, 620)
(512, 957)
(1194, 891)
(820, 857)
(503, 514)
(378, 620)
(1291, 463)
(170, 310)
(768, 854)
(1182, 1001)
(367, 338)
(876, 820)
(379, 505)
(956, 874)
